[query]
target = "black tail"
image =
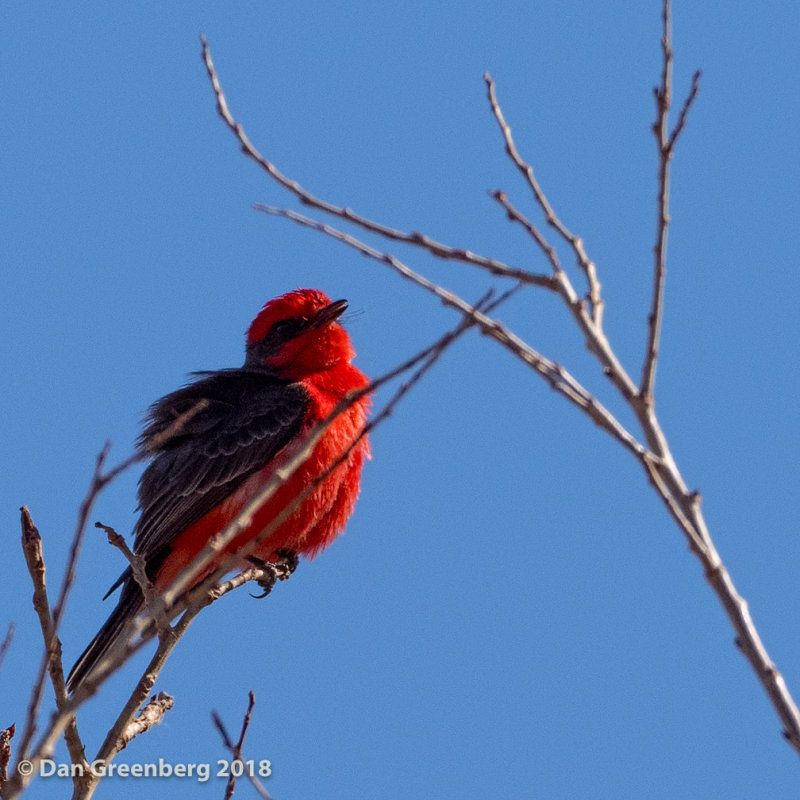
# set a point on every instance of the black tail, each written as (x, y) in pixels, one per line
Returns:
(128, 606)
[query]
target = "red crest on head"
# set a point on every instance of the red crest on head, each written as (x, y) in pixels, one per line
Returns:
(299, 303)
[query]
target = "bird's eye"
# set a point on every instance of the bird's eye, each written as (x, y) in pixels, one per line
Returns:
(286, 328)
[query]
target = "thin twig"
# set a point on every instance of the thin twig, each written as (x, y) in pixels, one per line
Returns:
(554, 373)
(6, 643)
(663, 96)
(515, 216)
(590, 324)
(414, 238)
(665, 142)
(150, 715)
(235, 749)
(97, 485)
(51, 661)
(149, 593)
(683, 116)
(586, 265)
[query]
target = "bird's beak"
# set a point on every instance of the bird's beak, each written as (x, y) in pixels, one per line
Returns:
(329, 313)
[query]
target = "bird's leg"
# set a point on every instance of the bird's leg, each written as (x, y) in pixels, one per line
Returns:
(273, 571)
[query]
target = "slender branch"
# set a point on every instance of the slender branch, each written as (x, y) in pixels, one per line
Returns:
(663, 96)
(683, 116)
(554, 373)
(590, 325)
(150, 715)
(448, 298)
(665, 141)
(414, 238)
(7, 639)
(6, 735)
(586, 265)
(515, 216)
(98, 483)
(154, 608)
(235, 749)
(51, 661)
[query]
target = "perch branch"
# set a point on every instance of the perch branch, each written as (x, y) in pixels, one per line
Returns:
(208, 591)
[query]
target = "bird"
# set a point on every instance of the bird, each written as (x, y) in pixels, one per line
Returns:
(233, 425)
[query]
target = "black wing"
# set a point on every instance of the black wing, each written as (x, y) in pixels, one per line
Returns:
(248, 418)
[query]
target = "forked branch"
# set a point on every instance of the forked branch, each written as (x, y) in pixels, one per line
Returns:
(665, 142)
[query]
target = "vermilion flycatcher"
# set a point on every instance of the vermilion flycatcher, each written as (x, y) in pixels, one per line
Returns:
(297, 368)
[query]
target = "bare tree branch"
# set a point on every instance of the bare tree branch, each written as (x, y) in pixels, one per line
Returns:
(554, 373)
(51, 661)
(590, 324)
(150, 715)
(115, 739)
(683, 116)
(7, 639)
(235, 749)
(5, 755)
(438, 249)
(575, 242)
(155, 609)
(655, 457)
(176, 600)
(64, 720)
(666, 145)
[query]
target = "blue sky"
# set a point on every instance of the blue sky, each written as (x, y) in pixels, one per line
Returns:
(510, 613)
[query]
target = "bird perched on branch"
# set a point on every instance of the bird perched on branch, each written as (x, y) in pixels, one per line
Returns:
(233, 426)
